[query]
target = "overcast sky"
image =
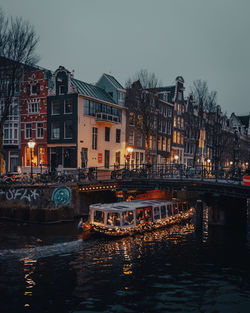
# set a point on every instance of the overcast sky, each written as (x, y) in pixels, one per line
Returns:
(196, 39)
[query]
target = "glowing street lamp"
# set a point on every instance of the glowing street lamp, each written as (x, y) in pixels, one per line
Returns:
(31, 145)
(176, 157)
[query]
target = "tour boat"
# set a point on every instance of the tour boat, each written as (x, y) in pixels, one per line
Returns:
(136, 216)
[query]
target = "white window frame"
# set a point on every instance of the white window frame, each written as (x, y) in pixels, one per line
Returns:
(64, 124)
(55, 101)
(25, 134)
(31, 106)
(37, 134)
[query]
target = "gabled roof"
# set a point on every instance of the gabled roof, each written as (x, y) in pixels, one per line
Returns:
(92, 91)
(170, 90)
(113, 81)
(244, 120)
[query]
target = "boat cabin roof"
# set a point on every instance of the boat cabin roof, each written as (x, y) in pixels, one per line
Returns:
(128, 205)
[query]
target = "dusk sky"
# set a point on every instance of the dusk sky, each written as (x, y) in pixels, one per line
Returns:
(196, 39)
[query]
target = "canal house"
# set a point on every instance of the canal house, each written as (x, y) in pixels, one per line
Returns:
(34, 92)
(86, 122)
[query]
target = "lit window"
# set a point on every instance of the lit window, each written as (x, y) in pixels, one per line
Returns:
(131, 119)
(55, 130)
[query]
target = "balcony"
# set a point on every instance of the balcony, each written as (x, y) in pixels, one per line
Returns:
(105, 117)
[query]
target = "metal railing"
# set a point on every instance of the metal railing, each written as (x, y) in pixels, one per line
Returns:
(128, 172)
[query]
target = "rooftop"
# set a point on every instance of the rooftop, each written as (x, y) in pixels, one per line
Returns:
(92, 91)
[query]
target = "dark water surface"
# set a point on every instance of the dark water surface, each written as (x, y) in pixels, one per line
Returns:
(50, 269)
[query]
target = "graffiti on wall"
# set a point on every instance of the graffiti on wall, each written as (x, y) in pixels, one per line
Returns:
(61, 196)
(20, 194)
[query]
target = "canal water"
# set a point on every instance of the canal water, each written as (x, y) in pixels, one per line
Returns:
(51, 269)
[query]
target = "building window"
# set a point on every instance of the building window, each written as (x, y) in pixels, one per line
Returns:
(33, 107)
(10, 133)
(118, 158)
(61, 90)
(33, 89)
(150, 142)
(39, 130)
(94, 138)
(107, 133)
(180, 97)
(131, 121)
(169, 145)
(178, 122)
(55, 130)
(55, 107)
(159, 142)
(174, 136)
(131, 138)
(182, 123)
(68, 129)
(178, 137)
(164, 143)
(118, 135)
(139, 140)
(28, 130)
(140, 121)
(68, 106)
(174, 121)
(42, 156)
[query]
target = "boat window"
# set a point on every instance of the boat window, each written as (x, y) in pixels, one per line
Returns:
(99, 217)
(113, 219)
(169, 210)
(156, 213)
(175, 209)
(163, 211)
(139, 216)
(127, 218)
(148, 214)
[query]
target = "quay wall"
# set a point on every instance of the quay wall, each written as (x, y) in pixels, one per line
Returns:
(48, 203)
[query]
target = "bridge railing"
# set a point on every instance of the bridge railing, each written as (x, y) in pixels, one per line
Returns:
(143, 171)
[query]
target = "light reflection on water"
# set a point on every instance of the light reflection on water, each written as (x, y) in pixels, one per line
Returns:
(169, 270)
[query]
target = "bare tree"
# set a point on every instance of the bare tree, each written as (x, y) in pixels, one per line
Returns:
(206, 105)
(147, 80)
(143, 104)
(18, 42)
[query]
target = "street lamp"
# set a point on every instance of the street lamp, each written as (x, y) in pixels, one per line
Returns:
(176, 157)
(31, 145)
(208, 161)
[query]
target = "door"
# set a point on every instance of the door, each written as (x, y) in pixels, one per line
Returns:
(106, 158)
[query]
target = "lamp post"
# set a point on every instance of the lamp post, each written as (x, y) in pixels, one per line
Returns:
(31, 145)
(176, 157)
(209, 161)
